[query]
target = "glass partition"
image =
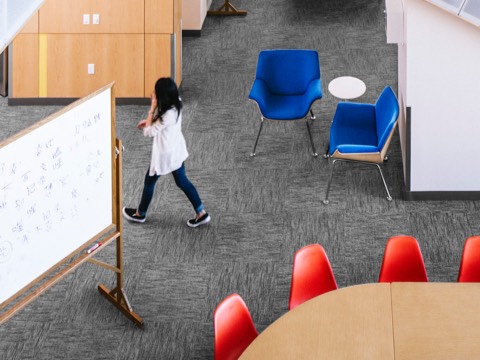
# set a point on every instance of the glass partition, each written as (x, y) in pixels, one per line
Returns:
(450, 5)
(471, 11)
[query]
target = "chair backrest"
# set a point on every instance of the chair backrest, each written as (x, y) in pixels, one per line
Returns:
(288, 72)
(312, 275)
(402, 261)
(469, 270)
(386, 112)
(234, 328)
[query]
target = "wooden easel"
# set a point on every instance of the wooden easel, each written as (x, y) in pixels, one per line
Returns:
(117, 295)
(114, 231)
(227, 9)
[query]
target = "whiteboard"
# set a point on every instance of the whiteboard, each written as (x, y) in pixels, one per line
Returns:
(55, 190)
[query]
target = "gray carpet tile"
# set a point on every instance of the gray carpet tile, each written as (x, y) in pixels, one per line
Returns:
(304, 192)
(263, 209)
(173, 339)
(255, 191)
(251, 279)
(184, 287)
(79, 342)
(249, 237)
(176, 243)
(212, 151)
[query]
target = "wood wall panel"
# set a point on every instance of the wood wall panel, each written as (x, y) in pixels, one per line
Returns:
(131, 45)
(177, 16)
(116, 16)
(25, 66)
(157, 59)
(31, 27)
(118, 58)
(159, 16)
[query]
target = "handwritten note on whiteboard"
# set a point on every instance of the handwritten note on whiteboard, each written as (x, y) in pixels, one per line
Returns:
(55, 191)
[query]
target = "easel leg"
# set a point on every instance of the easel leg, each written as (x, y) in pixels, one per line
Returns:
(119, 300)
(117, 296)
(227, 9)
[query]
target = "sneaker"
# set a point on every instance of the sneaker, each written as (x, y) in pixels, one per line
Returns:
(131, 214)
(204, 219)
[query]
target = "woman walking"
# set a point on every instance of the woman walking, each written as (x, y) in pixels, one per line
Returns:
(169, 151)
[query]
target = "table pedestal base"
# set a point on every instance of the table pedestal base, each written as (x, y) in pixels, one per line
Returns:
(227, 9)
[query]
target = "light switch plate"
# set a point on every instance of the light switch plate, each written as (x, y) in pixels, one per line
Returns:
(91, 69)
(86, 19)
(96, 19)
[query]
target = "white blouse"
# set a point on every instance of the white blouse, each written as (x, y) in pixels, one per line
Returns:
(169, 149)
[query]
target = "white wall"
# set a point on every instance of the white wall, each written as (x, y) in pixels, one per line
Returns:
(443, 91)
(193, 13)
(402, 90)
(396, 35)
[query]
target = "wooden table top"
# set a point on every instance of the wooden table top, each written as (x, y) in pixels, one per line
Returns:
(436, 320)
(378, 321)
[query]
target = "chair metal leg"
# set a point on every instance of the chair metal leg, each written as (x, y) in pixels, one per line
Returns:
(389, 197)
(312, 117)
(326, 154)
(329, 182)
(252, 154)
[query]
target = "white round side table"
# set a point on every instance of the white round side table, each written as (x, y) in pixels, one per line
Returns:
(346, 87)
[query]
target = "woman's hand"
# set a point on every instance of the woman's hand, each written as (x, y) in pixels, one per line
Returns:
(142, 123)
(148, 121)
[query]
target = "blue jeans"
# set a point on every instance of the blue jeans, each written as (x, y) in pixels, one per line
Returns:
(182, 182)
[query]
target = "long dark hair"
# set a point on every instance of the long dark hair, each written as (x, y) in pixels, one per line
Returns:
(166, 92)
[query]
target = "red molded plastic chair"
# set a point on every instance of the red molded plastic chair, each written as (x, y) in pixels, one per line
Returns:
(402, 261)
(234, 328)
(312, 275)
(470, 264)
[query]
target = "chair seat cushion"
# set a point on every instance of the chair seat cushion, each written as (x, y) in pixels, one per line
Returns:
(353, 129)
(284, 107)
